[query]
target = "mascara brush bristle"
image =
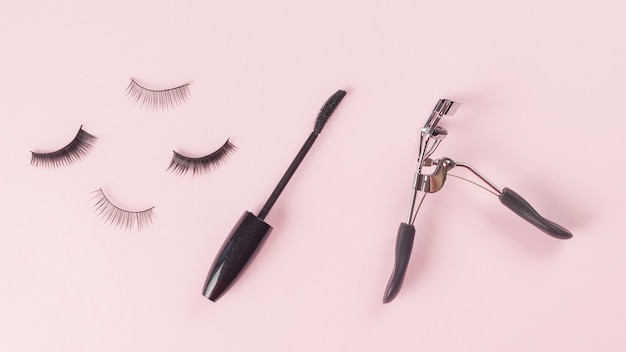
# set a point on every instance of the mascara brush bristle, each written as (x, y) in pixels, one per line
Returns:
(327, 110)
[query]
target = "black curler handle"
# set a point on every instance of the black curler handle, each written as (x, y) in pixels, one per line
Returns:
(404, 246)
(521, 207)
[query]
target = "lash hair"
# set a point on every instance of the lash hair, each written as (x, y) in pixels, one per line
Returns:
(72, 152)
(157, 99)
(118, 217)
(182, 164)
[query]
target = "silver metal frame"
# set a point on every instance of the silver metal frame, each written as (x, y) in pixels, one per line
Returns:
(431, 136)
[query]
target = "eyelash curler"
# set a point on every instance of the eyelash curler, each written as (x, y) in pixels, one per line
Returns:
(431, 136)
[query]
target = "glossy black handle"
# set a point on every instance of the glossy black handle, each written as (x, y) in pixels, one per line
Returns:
(404, 246)
(521, 207)
(241, 245)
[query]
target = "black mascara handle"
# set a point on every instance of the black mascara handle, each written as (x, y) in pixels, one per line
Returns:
(521, 207)
(404, 246)
(239, 248)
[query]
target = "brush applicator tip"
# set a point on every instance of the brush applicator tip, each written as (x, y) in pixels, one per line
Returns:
(328, 109)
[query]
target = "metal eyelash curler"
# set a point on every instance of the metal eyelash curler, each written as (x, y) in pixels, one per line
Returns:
(430, 137)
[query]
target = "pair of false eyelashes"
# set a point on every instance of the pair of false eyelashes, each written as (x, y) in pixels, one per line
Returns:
(180, 164)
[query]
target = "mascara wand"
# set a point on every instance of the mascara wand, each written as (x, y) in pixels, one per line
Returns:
(250, 232)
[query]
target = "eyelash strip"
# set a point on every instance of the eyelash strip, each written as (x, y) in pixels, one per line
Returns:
(157, 99)
(182, 164)
(74, 151)
(118, 217)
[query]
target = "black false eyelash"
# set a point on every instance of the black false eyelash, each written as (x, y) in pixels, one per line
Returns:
(74, 151)
(182, 164)
(119, 217)
(157, 99)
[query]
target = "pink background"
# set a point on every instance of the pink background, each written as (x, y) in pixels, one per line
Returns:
(542, 86)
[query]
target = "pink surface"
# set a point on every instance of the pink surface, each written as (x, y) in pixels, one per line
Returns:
(541, 84)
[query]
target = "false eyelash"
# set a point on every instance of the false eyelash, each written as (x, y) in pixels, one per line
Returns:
(157, 99)
(74, 151)
(120, 218)
(182, 164)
